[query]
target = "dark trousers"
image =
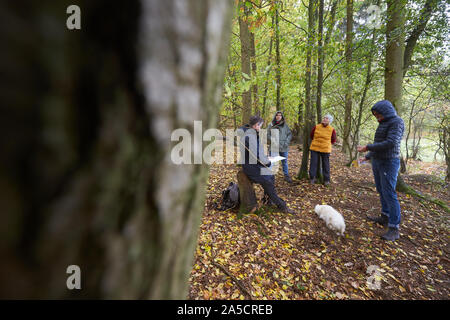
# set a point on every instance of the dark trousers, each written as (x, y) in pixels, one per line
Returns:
(315, 158)
(268, 184)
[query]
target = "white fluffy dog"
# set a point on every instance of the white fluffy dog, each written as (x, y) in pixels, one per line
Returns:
(332, 218)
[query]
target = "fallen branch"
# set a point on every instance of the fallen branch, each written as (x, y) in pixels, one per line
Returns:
(238, 283)
(367, 188)
(403, 187)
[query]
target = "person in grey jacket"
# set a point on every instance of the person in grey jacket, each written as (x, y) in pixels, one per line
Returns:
(284, 139)
(385, 156)
(255, 163)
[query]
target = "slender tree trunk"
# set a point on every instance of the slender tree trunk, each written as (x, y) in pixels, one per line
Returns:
(233, 98)
(89, 180)
(331, 22)
(348, 78)
(277, 57)
(300, 121)
(363, 96)
(320, 61)
(424, 17)
(245, 62)
(303, 173)
(266, 82)
(445, 139)
(256, 109)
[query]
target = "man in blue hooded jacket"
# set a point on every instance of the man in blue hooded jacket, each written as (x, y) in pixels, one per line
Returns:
(385, 156)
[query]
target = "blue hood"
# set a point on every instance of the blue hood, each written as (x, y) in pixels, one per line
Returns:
(385, 108)
(244, 128)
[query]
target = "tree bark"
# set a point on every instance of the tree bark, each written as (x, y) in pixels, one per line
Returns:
(266, 83)
(89, 180)
(363, 96)
(277, 57)
(320, 62)
(255, 99)
(348, 78)
(303, 172)
(245, 61)
(247, 196)
(332, 21)
(395, 39)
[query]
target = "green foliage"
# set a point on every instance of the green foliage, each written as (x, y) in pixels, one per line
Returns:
(429, 67)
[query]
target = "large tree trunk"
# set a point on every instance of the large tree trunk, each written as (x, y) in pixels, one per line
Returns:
(247, 196)
(244, 34)
(393, 76)
(88, 179)
(395, 44)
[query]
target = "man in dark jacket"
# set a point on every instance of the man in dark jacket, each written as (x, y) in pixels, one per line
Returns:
(255, 163)
(385, 156)
(284, 139)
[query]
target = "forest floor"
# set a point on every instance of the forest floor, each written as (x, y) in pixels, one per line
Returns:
(273, 255)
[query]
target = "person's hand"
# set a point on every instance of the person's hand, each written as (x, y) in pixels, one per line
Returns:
(362, 148)
(362, 160)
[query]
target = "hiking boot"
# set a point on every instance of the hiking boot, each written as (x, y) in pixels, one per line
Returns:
(391, 235)
(326, 183)
(382, 220)
(288, 179)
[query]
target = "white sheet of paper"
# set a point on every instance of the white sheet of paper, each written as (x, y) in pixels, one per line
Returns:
(277, 158)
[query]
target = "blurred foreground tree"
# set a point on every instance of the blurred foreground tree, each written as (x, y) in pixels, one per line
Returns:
(86, 123)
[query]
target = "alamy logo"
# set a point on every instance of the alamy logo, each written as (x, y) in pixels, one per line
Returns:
(74, 280)
(374, 20)
(74, 20)
(374, 281)
(249, 142)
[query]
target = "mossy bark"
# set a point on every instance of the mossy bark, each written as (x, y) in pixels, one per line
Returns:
(88, 179)
(247, 196)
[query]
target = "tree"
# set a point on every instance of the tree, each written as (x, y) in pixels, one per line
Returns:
(303, 172)
(245, 60)
(424, 17)
(348, 78)
(89, 180)
(254, 75)
(267, 73)
(395, 39)
(277, 55)
(320, 62)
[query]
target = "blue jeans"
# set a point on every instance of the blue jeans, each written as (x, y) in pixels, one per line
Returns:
(284, 162)
(385, 173)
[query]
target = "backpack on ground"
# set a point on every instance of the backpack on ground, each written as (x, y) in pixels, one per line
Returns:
(230, 197)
